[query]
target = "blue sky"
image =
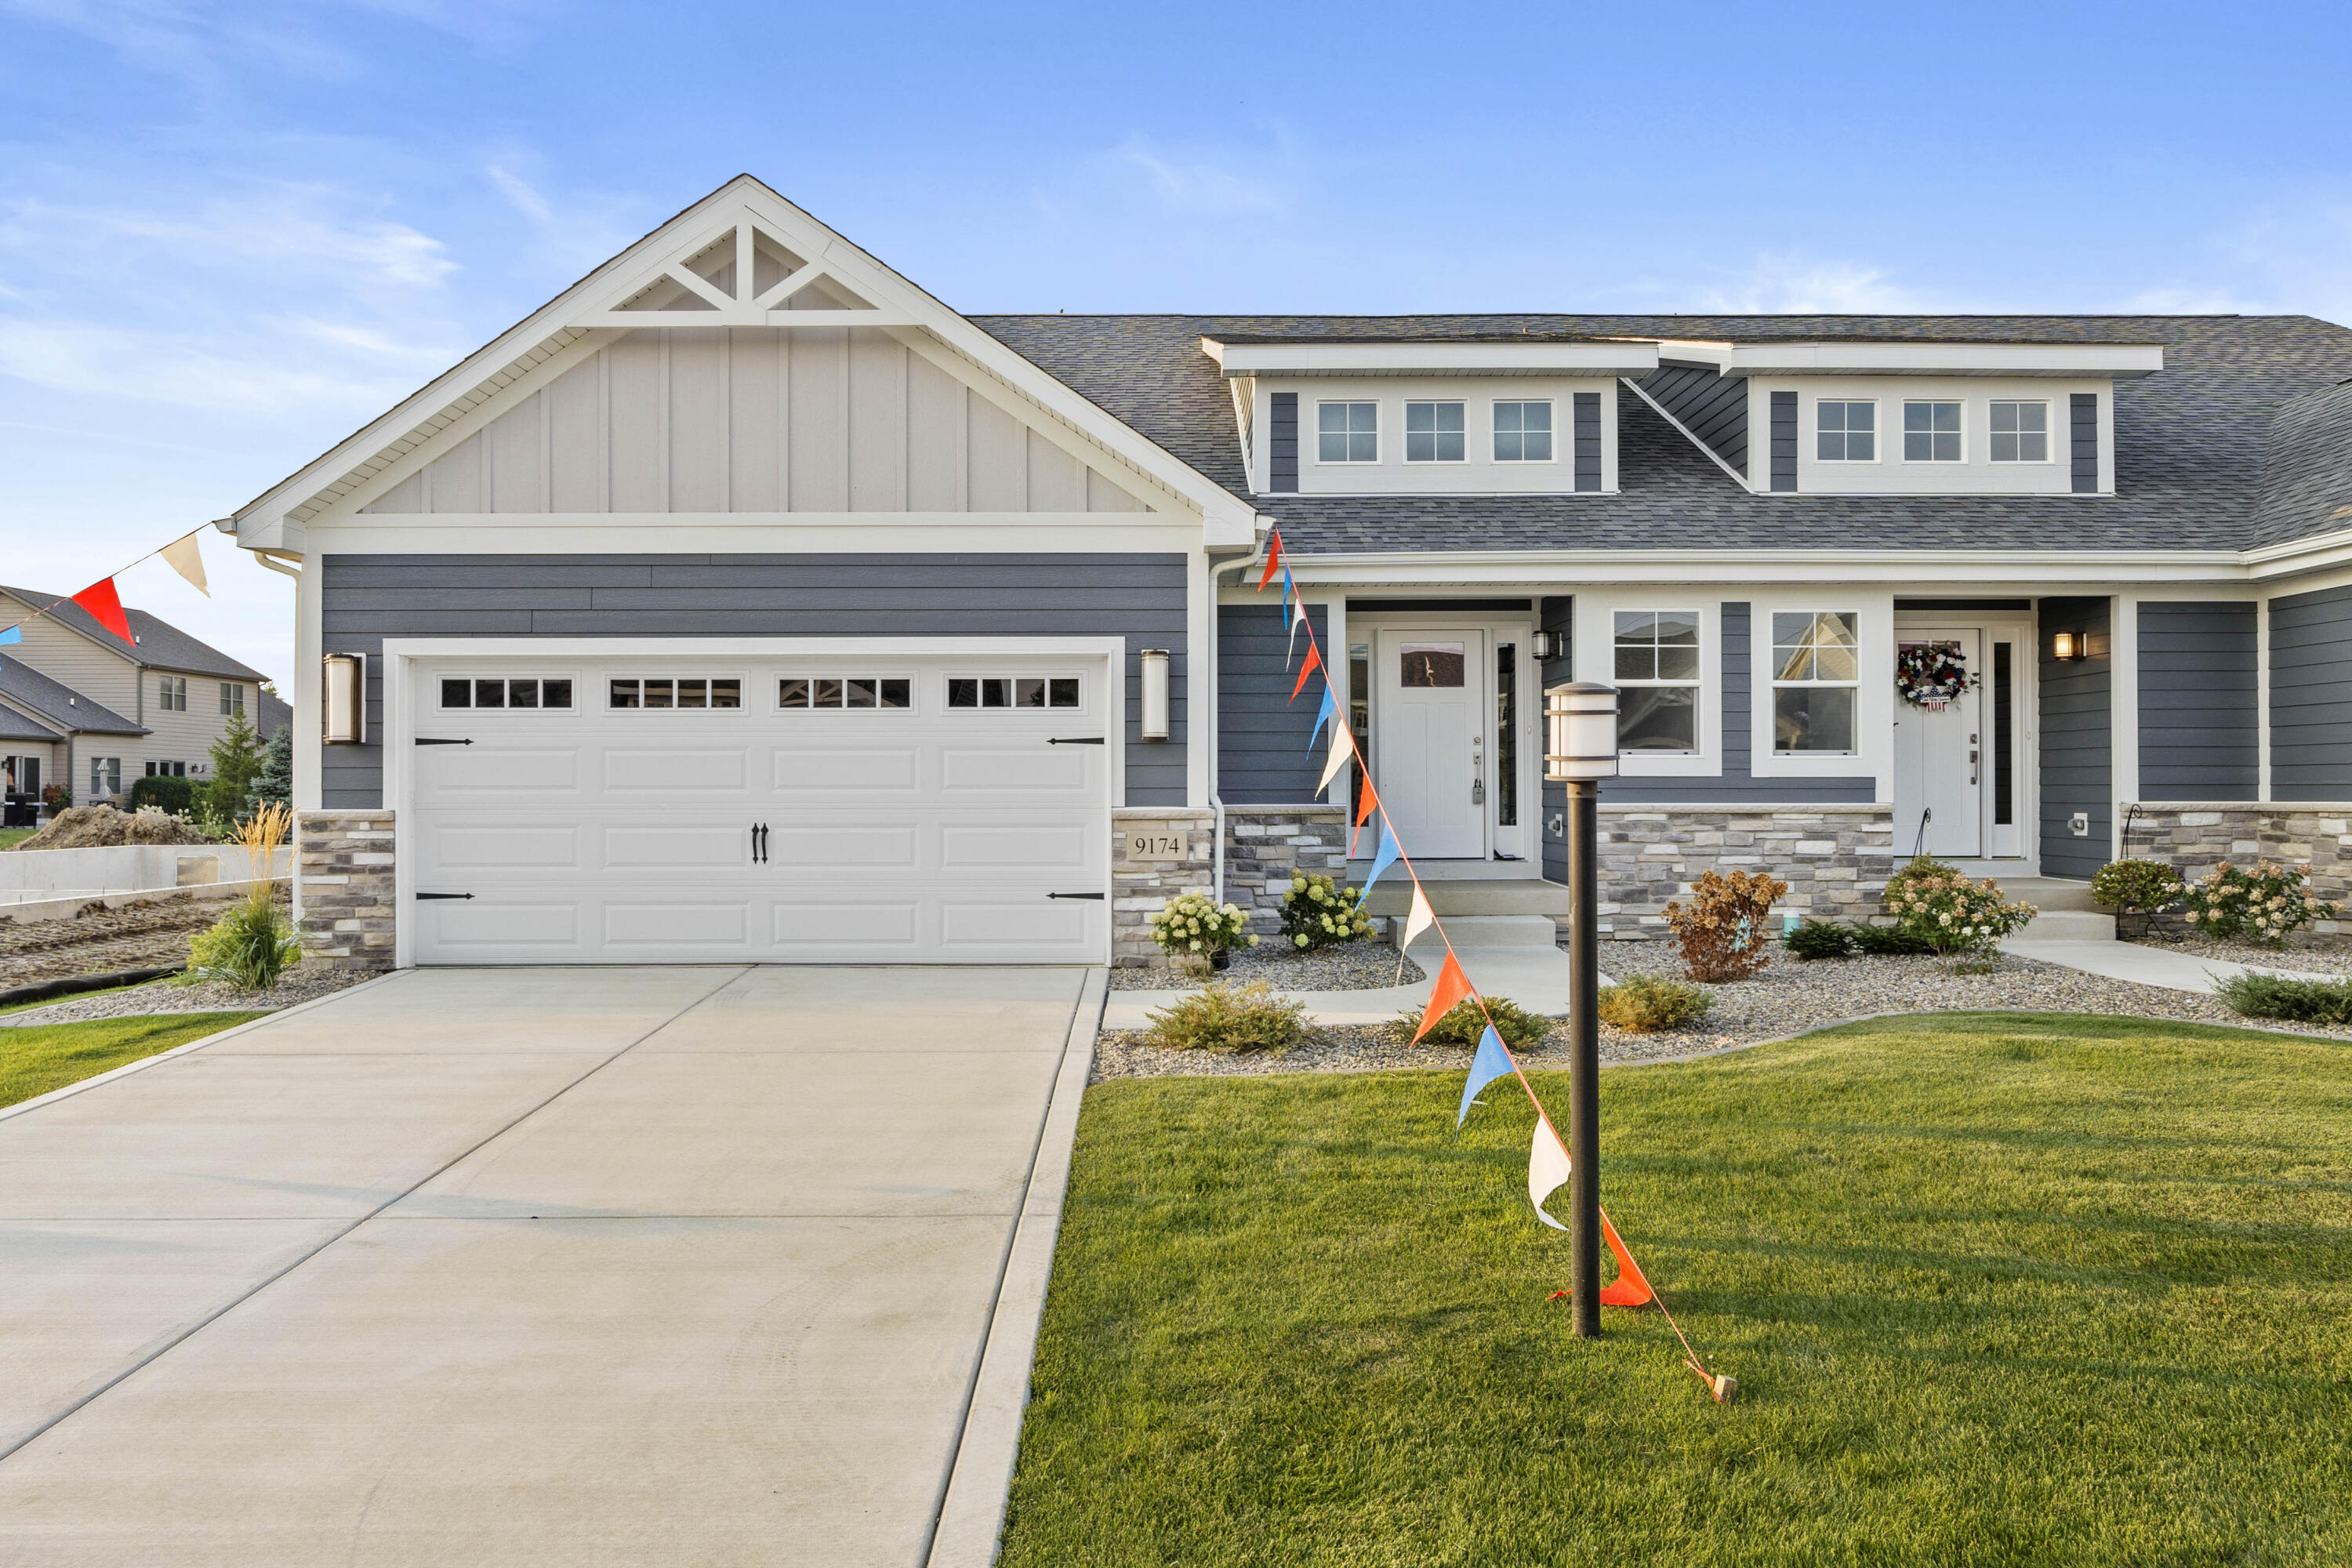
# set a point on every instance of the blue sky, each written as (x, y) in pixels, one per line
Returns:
(231, 233)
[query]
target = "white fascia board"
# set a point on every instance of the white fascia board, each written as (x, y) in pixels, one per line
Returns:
(751, 532)
(753, 647)
(1609, 359)
(1515, 568)
(2120, 361)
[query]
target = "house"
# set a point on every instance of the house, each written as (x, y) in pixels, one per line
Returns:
(113, 711)
(746, 603)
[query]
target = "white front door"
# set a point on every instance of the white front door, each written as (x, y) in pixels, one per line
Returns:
(1939, 757)
(763, 810)
(1430, 739)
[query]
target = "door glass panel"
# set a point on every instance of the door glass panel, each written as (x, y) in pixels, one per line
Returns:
(1430, 665)
(1507, 735)
(2005, 803)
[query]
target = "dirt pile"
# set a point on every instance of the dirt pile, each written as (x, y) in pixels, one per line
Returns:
(103, 828)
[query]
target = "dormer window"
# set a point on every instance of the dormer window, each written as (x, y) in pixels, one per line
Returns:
(1433, 432)
(1523, 432)
(1348, 432)
(1845, 432)
(1931, 432)
(2020, 432)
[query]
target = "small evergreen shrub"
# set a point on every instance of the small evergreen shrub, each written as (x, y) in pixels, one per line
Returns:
(1520, 1029)
(1819, 939)
(1956, 916)
(2259, 996)
(1317, 912)
(1723, 932)
(161, 791)
(1648, 1003)
(2264, 903)
(1225, 1018)
(1887, 942)
(1194, 931)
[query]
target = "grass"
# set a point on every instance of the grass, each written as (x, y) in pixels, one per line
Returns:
(1997, 1288)
(37, 1057)
(12, 836)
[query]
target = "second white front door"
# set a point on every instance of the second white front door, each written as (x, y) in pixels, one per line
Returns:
(1431, 741)
(1939, 756)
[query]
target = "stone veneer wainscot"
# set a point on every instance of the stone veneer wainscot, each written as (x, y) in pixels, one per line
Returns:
(343, 886)
(2194, 837)
(1835, 859)
(1266, 846)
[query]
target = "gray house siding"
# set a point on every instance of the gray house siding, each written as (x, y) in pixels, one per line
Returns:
(1282, 444)
(2077, 760)
(2310, 695)
(1588, 440)
(367, 598)
(1262, 734)
(2083, 430)
(1784, 441)
(1711, 405)
(2200, 733)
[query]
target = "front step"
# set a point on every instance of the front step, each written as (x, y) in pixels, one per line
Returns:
(2069, 925)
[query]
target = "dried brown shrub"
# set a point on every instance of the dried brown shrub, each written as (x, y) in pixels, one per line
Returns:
(1725, 933)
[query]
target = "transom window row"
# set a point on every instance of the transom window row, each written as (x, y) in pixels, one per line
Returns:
(1012, 692)
(1846, 430)
(461, 691)
(1435, 432)
(678, 691)
(845, 691)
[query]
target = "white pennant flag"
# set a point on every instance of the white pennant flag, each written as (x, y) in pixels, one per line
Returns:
(1343, 748)
(1298, 619)
(1547, 1169)
(189, 562)
(1420, 918)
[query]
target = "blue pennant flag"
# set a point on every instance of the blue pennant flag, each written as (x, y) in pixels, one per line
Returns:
(1491, 1063)
(1322, 717)
(13, 633)
(1382, 859)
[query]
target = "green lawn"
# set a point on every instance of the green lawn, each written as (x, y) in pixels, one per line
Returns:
(37, 1057)
(12, 836)
(1997, 1288)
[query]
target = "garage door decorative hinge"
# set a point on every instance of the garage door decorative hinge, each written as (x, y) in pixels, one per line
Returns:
(436, 740)
(443, 895)
(1076, 741)
(1095, 896)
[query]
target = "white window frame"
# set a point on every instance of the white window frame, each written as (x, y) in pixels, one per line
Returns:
(1959, 403)
(1874, 702)
(743, 691)
(1323, 403)
(2048, 435)
(232, 700)
(1877, 432)
(1596, 651)
(1764, 637)
(105, 776)
(1494, 430)
(1435, 403)
(172, 693)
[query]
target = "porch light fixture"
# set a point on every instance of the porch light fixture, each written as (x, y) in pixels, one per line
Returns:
(343, 699)
(1155, 693)
(1544, 645)
(2065, 647)
(1581, 725)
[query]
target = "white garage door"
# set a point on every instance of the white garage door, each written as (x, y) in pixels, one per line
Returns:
(820, 810)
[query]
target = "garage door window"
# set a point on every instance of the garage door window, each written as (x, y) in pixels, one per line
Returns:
(684, 692)
(1012, 692)
(799, 691)
(463, 692)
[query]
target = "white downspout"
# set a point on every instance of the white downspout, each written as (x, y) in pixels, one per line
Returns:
(1216, 739)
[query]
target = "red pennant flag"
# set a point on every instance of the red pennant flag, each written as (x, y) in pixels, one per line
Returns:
(1451, 989)
(1364, 810)
(1306, 667)
(105, 607)
(1632, 1288)
(1273, 559)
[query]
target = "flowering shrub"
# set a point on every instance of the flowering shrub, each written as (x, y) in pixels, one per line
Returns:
(2264, 903)
(1953, 914)
(1724, 932)
(1317, 912)
(1194, 931)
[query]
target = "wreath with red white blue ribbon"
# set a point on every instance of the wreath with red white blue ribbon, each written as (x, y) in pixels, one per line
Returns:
(1930, 675)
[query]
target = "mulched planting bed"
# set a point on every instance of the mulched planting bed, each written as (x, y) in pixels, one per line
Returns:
(101, 941)
(1358, 966)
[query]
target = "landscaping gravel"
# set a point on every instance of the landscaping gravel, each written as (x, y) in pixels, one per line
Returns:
(305, 984)
(1789, 998)
(1358, 966)
(2323, 957)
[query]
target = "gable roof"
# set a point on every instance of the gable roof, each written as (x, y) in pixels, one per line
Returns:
(16, 726)
(2195, 451)
(61, 706)
(161, 645)
(2307, 478)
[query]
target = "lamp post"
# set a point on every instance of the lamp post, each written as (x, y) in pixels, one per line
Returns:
(1581, 750)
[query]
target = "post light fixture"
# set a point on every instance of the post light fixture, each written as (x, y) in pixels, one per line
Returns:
(1581, 750)
(1155, 693)
(1580, 733)
(342, 703)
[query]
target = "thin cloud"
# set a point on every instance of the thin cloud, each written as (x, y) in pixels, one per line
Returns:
(1797, 285)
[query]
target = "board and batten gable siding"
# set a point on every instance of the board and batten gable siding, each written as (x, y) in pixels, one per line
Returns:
(2310, 695)
(755, 419)
(2199, 721)
(1140, 597)
(1262, 757)
(2077, 700)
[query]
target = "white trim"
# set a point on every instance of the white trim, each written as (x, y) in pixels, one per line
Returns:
(1952, 571)
(1878, 431)
(1874, 698)
(2123, 718)
(1438, 358)
(2262, 699)
(1405, 455)
(1322, 462)
(2049, 434)
(763, 533)
(1595, 634)
(1906, 432)
(1550, 404)
(2118, 361)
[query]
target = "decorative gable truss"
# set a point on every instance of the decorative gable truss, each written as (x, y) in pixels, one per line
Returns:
(742, 276)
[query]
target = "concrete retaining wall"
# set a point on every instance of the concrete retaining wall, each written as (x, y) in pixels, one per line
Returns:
(30, 875)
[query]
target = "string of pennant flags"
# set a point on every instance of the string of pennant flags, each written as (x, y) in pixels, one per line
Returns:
(104, 605)
(1548, 1161)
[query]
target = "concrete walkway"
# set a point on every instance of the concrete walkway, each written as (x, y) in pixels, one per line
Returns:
(2146, 965)
(612, 1266)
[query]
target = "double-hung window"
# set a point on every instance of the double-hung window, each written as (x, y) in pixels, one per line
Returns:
(105, 777)
(1433, 433)
(1815, 674)
(1523, 432)
(1931, 432)
(1657, 670)
(232, 700)
(2020, 432)
(1348, 432)
(1845, 432)
(172, 693)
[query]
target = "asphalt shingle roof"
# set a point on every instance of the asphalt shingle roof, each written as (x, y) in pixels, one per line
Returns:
(2236, 439)
(24, 686)
(14, 726)
(161, 646)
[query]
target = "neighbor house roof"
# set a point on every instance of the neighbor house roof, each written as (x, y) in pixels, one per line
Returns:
(2240, 414)
(270, 714)
(16, 726)
(25, 688)
(161, 646)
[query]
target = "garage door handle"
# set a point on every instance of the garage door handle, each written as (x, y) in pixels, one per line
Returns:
(433, 741)
(759, 843)
(1076, 741)
(445, 895)
(1096, 897)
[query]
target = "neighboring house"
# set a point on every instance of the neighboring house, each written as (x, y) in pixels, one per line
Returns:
(168, 696)
(746, 603)
(48, 731)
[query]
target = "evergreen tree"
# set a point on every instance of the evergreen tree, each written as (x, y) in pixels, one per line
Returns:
(237, 762)
(274, 785)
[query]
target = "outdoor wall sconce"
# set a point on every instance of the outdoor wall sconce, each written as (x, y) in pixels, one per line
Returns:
(345, 698)
(1155, 693)
(2065, 647)
(1544, 645)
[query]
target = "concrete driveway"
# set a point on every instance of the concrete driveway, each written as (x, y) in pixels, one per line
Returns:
(579, 1267)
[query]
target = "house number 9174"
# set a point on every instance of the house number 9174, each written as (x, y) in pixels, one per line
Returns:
(1155, 846)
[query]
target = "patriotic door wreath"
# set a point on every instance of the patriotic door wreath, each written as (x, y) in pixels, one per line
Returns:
(1929, 675)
